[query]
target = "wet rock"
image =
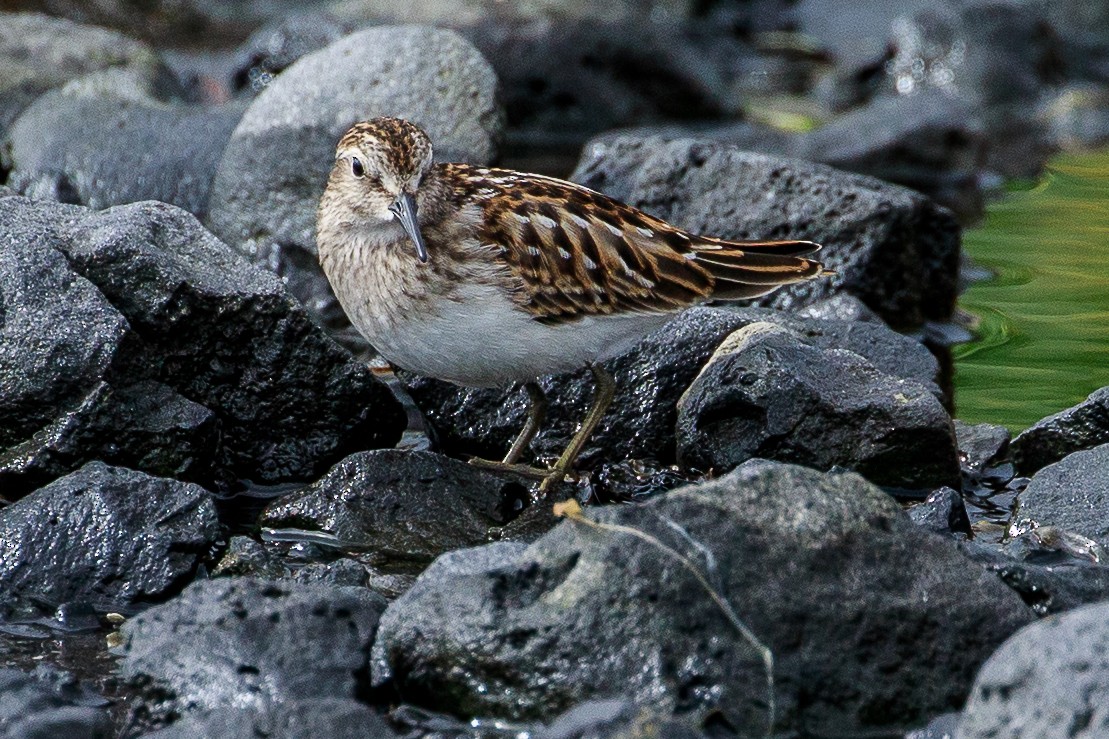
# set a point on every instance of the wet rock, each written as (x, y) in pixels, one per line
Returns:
(1084, 426)
(38, 53)
(874, 625)
(616, 719)
(1072, 495)
(944, 726)
(340, 718)
(136, 337)
(1051, 679)
(840, 307)
(402, 507)
(1048, 584)
(82, 146)
(981, 445)
(649, 380)
(247, 643)
(48, 702)
(889, 246)
(273, 48)
(942, 512)
(768, 393)
(268, 211)
(109, 536)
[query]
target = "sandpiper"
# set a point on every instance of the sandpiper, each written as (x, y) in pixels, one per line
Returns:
(488, 277)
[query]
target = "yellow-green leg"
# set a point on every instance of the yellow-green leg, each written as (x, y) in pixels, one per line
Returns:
(602, 399)
(537, 410)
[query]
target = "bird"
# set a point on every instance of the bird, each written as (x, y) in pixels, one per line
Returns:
(488, 277)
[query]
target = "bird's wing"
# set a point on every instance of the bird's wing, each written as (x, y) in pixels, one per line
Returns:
(577, 252)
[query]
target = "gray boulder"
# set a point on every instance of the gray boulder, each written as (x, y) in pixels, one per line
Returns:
(1084, 426)
(403, 509)
(108, 536)
(649, 381)
(891, 247)
(1071, 495)
(335, 718)
(246, 643)
(1051, 679)
(79, 145)
(943, 512)
(275, 166)
(50, 703)
(38, 53)
(873, 624)
(136, 337)
(769, 393)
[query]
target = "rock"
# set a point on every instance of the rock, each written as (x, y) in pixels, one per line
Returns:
(109, 536)
(874, 625)
(337, 718)
(649, 380)
(136, 337)
(944, 726)
(273, 48)
(403, 509)
(1078, 117)
(38, 53)
(50, 703)
(840, 307)
(1071, 495)
(889, 246)
(275, 166)
(942, 512)
(75, 146)
(981, 445)
(250, 644)
(1052, 585)
(768, 393)
(1051, 679)
(1084, 426)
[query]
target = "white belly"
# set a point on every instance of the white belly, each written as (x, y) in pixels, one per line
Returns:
(481, 339)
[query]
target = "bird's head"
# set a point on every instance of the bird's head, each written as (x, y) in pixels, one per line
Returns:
(379, 165)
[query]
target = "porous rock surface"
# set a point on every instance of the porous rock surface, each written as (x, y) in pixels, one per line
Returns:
(1084, 426)
(769, 393)
(249, 643)
(872, 622)
(107, 536)
(1072, 495)
(47, 702)
(134, 336)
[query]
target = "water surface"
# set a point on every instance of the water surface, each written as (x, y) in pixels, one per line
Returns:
(1043, 336)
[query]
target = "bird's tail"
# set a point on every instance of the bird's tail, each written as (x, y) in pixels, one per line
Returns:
(748, 269)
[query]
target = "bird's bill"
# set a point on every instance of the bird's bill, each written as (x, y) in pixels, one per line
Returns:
(405, 211)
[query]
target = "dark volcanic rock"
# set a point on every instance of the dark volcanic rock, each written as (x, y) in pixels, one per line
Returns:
(649, 381)
(49, 703)
(893, 248)
(874, 625)
(1049, 680)
(768, 393)
(943, 512)
(100, 150)
(246, 643)
(268, 211)
(1084, 426)
(981, 445)
(1072, 495)
(106, 535)
(271, 49)
(1048, 584)
(38, 53)
(335, 718)
(136, 337)
(406, 507)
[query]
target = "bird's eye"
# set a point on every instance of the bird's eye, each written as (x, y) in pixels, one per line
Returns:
(356, 167)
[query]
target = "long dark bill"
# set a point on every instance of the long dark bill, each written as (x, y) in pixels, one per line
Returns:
(405, 211)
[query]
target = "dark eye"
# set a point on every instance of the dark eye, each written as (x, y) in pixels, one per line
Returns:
(356, 167)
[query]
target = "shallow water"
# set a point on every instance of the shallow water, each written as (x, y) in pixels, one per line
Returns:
(1043, 336)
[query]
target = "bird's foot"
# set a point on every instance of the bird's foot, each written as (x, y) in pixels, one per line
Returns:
(537, 473)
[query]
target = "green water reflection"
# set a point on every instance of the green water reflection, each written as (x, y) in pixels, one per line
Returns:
(1044, 334)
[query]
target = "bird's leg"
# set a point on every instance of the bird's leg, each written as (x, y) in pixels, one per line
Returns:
(602, 398)
(537, 409)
